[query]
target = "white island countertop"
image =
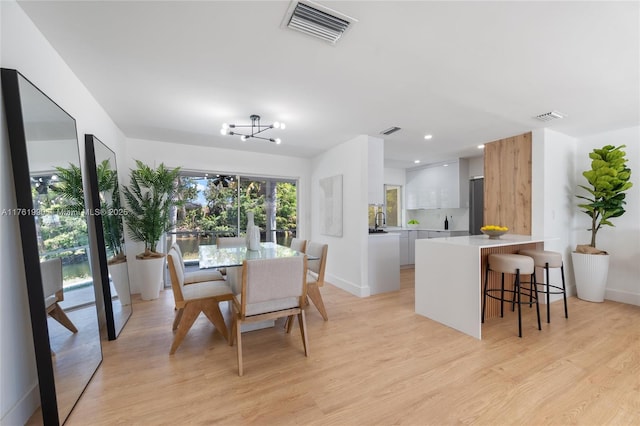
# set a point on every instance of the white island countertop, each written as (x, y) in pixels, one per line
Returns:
(482, 241)
(448, 276)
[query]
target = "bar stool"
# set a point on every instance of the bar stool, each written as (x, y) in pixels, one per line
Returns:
(547, 260)
(511, 264)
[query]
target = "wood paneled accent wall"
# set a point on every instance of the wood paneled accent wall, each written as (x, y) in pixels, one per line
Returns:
(507, 183)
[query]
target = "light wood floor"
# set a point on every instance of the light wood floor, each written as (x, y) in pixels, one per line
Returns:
(374, 362)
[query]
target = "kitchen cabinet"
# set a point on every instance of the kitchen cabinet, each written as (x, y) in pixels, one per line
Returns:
(442, 234)
(411, 237)
(438, 186)
(408, 241)
(404, 247)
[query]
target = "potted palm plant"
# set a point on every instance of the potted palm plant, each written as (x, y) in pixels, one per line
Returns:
(69, 186)
(150, 197)
(608, 180)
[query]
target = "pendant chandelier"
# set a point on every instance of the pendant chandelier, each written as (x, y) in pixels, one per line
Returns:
(256, 129)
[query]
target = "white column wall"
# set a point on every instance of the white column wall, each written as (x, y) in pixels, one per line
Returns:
(553, 159)
(622, 241)
(347, 256)
(24, 48)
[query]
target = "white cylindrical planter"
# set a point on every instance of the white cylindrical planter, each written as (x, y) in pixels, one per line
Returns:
(120, 278)
(590, 272)
(150, 277)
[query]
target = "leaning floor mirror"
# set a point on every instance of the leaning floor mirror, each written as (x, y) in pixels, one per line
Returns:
(107, 213)
(55, 246)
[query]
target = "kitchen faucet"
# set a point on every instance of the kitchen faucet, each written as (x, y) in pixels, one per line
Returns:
(384, 219)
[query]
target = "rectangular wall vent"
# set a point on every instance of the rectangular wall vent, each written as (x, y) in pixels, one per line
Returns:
(548, 116)
(317, 21)
(390, 130)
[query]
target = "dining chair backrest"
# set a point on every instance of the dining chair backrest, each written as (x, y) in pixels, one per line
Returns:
(231, 242)
(317, 266)
(178, 252)
(270, 285)
(176, 273)
(298, 244)
(51, 271)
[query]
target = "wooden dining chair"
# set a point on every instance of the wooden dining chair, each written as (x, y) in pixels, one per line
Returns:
(191, 277)
(315, 275)
(193, 299)
(52, 280)
(298, 244)
(271, 289)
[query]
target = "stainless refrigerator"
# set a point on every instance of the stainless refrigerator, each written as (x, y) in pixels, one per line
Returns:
(476, 205)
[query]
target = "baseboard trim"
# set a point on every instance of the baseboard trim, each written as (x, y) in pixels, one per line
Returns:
(622, 296)
(348, 286)
(22, 411)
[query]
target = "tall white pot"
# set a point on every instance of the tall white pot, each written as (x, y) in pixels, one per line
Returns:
(150, 277)
(590, 272)
(120, 277)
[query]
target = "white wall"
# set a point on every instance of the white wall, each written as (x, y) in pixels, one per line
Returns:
(205, 159)
(622, 242)
(558, 163)
(552, 192)
(347, 255)
(476, 166)
(25, 49)
(395, 176)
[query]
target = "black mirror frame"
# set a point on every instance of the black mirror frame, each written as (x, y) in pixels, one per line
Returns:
(24, 202)
(90, 153)
(28, 233)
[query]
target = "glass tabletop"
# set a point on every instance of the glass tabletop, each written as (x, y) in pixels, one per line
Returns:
(210, 256)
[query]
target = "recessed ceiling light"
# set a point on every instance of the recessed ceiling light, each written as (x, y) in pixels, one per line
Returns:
(481, 146)
(416, 161)
(428, 136)
(445, 165)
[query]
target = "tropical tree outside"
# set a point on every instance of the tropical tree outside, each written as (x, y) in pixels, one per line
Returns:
(212, 205)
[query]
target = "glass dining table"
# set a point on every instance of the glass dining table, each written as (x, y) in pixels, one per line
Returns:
(231, 258)
(210, 256)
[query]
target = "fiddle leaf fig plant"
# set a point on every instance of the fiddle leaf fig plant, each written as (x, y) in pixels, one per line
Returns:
(608, 179)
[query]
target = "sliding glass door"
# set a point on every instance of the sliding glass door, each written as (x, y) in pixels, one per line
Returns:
(214, 204)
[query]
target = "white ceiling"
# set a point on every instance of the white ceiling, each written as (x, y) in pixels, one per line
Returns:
(466, 72)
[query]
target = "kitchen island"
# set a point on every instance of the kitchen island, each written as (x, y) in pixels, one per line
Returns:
(449, 277)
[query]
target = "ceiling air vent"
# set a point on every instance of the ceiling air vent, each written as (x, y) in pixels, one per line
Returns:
(390, 130)
(553, 115)
(317, 21)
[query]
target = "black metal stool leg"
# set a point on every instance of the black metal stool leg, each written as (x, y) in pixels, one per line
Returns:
(564, 292)
(484, 293)
(546, 268)
(502, 296)
(517, 290)
(535, 286)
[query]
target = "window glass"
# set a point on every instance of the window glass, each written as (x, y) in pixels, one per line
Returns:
(214, 205)
(393, 205)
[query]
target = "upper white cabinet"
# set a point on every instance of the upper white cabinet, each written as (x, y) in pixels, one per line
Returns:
(439, 186)
(376, 171)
